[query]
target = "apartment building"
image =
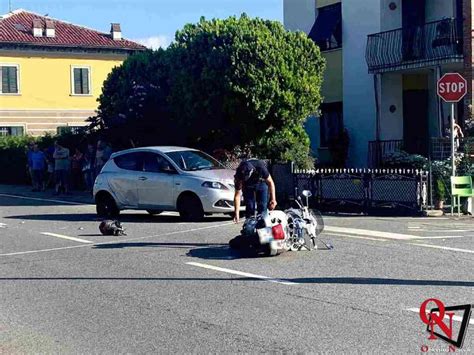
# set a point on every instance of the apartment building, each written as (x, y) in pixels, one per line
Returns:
(384, 58)
(51, 72)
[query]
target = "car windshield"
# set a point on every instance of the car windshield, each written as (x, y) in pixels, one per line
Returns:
(191, 160)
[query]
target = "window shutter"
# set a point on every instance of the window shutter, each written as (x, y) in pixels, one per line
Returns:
(77, 81)
(85, 81)
(13, 79)
(4, 79)
(9, 80)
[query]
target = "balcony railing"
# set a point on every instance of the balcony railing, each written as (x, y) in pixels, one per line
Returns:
(415, 46)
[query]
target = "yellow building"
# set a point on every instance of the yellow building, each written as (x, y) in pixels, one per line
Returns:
(51, 72)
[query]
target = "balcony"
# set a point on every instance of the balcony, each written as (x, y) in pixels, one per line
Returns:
(433, 43)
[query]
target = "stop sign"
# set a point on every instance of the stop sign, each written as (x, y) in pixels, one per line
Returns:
(452, 87)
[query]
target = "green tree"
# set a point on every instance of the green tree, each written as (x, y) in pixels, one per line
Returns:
(133, 107)
(222, 83)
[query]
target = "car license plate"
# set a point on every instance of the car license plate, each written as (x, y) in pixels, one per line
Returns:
(265, 235)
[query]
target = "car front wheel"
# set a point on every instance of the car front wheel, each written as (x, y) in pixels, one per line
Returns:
(106, 206)
(190, 208)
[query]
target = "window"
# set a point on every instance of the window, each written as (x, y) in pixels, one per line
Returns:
(9, 79)
(191, 160)
(131, 161)
(331, 122)
(81, 81)
(327, 30)
(155, 163)
(11, 131)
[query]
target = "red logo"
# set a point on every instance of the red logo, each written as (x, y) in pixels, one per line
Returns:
(452, 87)
(439, 321)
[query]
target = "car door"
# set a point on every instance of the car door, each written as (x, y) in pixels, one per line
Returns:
(156, 183)
(123, 181)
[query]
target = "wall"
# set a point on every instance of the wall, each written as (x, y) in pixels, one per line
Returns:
(390, 19)
(322, 3)
(360, 18)
(439, 9)
(391, 124)
(299, 15)
(45, 101)
(45, 82)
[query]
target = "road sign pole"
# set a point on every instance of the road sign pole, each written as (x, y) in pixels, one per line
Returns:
(453, 165)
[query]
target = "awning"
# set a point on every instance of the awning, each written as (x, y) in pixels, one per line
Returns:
(326, 22)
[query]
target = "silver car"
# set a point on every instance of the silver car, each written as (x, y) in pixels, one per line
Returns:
(159, 179)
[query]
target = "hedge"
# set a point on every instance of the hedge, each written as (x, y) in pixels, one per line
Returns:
(13, 153)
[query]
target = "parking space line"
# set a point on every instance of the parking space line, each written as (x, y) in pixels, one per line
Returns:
(44, 199)
(443, 248)
(3, 225)
(244, 274)
(456, 318)
(68, 238)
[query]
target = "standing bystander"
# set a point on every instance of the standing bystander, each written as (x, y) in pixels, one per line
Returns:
(38, 165)
(102, 155)
(77, 161)
(61, 168)
(88, 167)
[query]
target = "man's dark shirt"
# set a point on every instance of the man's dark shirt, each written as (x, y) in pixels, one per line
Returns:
(259, 174)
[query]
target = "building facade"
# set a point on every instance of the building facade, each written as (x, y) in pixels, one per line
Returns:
(51, 72)
(384, 58)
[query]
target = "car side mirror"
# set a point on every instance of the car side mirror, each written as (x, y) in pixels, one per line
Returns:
(168, 170)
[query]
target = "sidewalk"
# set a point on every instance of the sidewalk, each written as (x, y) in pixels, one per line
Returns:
(25, 191)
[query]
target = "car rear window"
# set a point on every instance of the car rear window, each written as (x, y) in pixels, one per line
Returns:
(131, 161)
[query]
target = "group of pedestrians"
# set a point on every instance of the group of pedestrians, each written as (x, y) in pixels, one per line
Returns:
(55, 166)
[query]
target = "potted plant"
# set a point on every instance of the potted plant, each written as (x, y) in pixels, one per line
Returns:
(440, 194)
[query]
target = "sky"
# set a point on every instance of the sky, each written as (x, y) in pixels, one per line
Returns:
(151, 22)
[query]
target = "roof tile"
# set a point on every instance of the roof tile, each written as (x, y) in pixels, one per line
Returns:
(17, 28)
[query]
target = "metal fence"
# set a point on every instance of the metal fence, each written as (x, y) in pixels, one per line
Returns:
(412, 46)
(441, 148)
(369, 191)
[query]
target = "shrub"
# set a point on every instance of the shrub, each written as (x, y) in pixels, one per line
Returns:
(13, 159)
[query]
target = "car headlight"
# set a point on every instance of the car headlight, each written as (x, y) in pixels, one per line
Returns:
(214, 185)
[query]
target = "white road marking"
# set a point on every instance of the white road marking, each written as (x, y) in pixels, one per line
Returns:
(3, 225)
(456, 318)
(68, 238)
(117, 241)
(414, 227)
(370, 233)
(442, 237)
(443, 248)
(44, 199)
(43, 250)
(240, 273)
(354, 237)
(448, 230)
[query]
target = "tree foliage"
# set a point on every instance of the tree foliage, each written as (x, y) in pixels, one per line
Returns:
(220, 84)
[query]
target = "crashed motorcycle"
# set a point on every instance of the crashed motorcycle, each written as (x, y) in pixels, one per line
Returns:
(277, 231)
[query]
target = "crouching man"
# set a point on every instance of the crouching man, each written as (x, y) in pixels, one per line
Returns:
(254, 181)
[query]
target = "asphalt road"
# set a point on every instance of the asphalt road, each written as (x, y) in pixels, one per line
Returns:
(173, 287)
